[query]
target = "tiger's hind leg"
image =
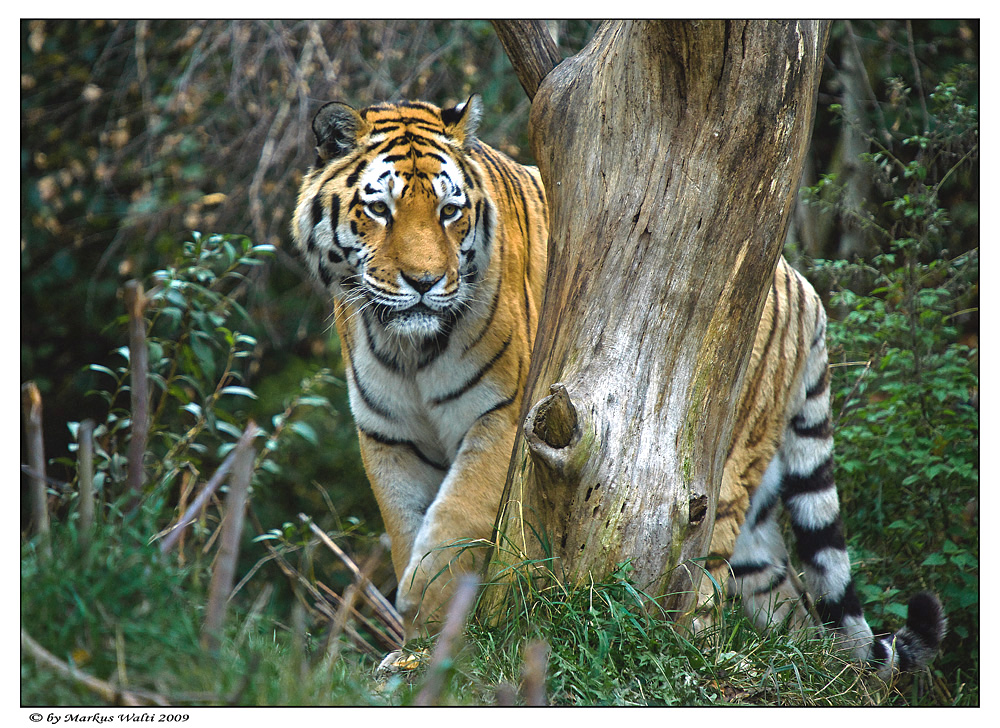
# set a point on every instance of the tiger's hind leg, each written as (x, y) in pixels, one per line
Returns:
(762, 576)
(800, 476)
(809, 494)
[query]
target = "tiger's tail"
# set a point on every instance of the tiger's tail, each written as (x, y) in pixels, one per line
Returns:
(914, 646)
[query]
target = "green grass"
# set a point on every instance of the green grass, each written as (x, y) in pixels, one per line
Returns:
(608, 646)
(123, 613)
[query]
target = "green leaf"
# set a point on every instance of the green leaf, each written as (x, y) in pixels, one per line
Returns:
(934, 560)
(102, 369)
(239, 391)
(313, 401)
(175, 297)
(896, 609)
(229, 428)
(203, 353)
(305, 431)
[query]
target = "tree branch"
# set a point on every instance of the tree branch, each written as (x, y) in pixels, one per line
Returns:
(531, 50)
(135, 303)
(31, 401)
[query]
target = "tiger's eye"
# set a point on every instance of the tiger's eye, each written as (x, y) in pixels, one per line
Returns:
(379, 208)
(449, 211)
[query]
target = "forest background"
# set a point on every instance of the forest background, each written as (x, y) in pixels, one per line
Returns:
(169, 152)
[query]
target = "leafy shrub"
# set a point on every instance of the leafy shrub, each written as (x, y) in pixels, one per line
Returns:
(199, 360)
(905, 376)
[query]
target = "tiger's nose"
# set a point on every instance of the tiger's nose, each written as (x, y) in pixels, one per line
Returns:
(423, 283)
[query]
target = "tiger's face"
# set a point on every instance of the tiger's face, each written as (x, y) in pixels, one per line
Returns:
(394, 218)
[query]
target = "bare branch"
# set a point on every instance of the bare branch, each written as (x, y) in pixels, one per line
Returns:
(135, 304)
(211, 486)
(105, 690)
(531, 50)
(229, 548)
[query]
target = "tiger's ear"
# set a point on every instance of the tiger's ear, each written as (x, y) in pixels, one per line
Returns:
(462, 121)
(337, 127)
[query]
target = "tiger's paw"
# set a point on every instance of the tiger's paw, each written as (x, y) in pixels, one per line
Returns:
(400, 661)
(422, 591)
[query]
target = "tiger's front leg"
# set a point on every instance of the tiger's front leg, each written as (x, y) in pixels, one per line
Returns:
(457, 529)
(405, 482)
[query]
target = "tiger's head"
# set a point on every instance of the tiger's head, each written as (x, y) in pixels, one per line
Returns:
(394, 218)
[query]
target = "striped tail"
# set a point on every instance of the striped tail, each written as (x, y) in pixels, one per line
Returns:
(801, 476)
(915, 645)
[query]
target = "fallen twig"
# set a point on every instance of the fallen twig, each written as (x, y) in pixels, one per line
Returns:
(857, 383)
(384, 635)
(339, 621)
(210, 487)
(323, 604)
(384, 609)
(106, 690)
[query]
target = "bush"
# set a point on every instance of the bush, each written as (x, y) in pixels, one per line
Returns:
(905, 377)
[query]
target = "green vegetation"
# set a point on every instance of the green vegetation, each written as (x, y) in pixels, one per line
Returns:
(905, 370)
(135, 132)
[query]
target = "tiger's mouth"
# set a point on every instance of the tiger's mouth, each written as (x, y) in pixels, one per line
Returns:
(416, 321)
(424, 316)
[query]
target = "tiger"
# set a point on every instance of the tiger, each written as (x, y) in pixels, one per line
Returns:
(433, 248)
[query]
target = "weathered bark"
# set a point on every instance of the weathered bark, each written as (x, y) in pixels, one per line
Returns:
(671, 154)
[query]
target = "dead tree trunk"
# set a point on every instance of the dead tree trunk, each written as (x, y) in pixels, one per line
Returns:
(671, 154)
